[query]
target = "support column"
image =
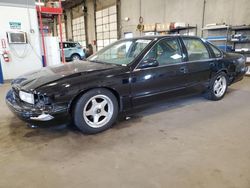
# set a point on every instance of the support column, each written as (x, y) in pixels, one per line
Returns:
(91, 32)
(69, 24)
(55, 33)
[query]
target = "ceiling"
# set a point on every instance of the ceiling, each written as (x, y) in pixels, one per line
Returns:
(67, 4)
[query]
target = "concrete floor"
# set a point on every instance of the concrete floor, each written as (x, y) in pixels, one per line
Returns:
(187, 143)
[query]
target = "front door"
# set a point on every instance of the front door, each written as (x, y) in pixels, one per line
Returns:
(167, 73)
(67, 50)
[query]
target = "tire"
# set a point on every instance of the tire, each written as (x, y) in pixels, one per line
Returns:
(248, 71)
(75, 57)
(217, 87)
(95, 111)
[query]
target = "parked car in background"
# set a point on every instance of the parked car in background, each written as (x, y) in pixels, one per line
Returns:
(73, 51)
(124, 75)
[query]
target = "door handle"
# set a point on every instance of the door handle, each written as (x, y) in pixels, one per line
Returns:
(212, 64)
(183, 69)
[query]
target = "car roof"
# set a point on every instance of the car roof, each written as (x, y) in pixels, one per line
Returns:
(157, 37)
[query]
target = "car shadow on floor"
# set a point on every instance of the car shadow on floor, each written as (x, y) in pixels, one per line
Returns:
(173, 102)
(17, 137)
(125, 120)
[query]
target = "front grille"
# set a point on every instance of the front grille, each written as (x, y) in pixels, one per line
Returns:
(41, 100)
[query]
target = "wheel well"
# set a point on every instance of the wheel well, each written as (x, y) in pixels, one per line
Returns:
(75, 99)
(223, 70)
(75, 54)
(215, 73)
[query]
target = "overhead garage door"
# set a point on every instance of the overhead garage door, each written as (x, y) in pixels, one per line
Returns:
(106, 26)
(79, 30)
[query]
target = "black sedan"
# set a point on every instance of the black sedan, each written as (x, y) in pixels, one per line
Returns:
(124, 75)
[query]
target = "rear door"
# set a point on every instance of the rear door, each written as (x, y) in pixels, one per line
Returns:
(151, 82)
(199, 60)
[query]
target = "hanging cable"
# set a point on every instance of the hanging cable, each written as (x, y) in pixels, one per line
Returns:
(20, 56)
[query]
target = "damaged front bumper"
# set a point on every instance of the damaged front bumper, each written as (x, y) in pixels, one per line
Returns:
(30, 114)
(43, 117)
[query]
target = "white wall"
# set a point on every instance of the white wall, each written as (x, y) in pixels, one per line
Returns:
(52, 50)
(232, 12)
(24, 57)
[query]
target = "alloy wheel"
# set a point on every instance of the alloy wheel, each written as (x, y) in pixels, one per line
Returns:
(220, 86)
(75, 58)
(98, 111)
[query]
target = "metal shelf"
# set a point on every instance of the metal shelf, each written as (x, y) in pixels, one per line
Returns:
(216, 27)
(216, 39)
(219, 35)
(172, 31)
(182, 28)
(242, 52)
(241, 28)
(242, 42)
(187, 28)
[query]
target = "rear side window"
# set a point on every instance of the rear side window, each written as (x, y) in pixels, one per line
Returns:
(70, 45)
(216, 51)
(196, 49)
(65, 45)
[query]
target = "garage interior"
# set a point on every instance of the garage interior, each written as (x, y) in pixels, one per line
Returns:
(180, 142)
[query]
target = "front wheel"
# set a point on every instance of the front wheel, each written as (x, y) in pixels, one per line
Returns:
(218, 87)
(75, 57)
(95, 111)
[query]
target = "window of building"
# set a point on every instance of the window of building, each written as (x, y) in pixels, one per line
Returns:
(106, 26)
(78, 28)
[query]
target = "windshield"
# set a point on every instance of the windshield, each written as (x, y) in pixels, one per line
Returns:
(122, 52)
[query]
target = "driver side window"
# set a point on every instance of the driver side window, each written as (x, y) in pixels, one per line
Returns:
(166, 51)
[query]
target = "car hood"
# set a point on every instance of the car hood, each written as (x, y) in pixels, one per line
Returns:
(33, 80)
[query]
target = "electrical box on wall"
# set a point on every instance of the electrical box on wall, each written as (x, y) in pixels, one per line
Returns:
(17, 37)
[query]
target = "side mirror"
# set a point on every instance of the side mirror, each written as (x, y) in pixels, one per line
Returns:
(151, 62)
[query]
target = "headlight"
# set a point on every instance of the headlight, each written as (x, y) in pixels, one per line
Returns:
(26, 97)
(242, 60)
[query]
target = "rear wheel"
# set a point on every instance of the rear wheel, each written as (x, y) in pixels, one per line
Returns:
(218, 87)
(95, 111)
(248, 71)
